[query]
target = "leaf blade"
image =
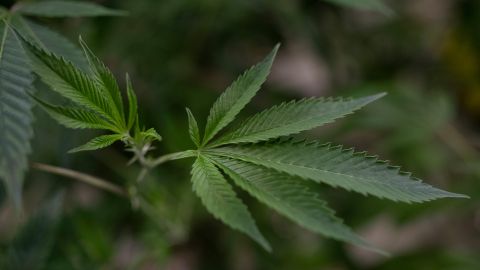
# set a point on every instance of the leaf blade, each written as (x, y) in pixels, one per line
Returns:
(106, 82)
(132, 103)
(98, 143)
(292, 117)
(291, 198)
(49, 40)
(334, 166)
(66, 9)
(237, 95)
(370, 5)
(67, 80)
(75, 118)
(193, 128)
(221, 201)
(16, 116)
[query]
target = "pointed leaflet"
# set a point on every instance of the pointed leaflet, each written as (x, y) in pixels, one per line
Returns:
(337, 167)
(75, 118)
(106, 82)
(65, 9)
(15, 113)
(220, 200)
(49, 41)
(193, 128)
(67, 80)
(132, 103)
(290, 197)
(98, 143)
(237, 95)
(293, 117)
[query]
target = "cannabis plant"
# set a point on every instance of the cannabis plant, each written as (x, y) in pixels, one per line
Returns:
(17, 80)
(258, 154)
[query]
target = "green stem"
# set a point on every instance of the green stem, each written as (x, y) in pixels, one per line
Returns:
(85, 178)
(173, 156)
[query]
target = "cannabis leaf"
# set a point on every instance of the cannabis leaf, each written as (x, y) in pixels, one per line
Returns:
(96, 97)
(65, 9)
(49, 40)
(273, 171)
(33, 241)
(371, 5)
(15, 112)
(17, 82)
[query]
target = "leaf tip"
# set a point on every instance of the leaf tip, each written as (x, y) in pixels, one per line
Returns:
(74, 150)
(274, 51)
(377, 96)
(456, 195)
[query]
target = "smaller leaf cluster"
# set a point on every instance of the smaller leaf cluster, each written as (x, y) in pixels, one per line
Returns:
(17, 80)
(97, 102)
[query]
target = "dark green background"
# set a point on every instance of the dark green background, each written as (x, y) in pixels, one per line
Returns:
(185, 52)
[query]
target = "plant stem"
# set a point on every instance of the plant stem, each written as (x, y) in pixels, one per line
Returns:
(173, 156)
(85, 178)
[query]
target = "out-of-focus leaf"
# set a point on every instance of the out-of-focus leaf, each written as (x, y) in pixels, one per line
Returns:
(15, 112)
(31, 246)
(49, 40)
(66, 9)
(373, 5)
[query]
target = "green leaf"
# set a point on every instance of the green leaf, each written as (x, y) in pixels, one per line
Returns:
(232, 101)
(98, 143)
(290, 197)
(33, 242)
(49, 41)
(66, 9)
(106, 82)
(132, 103)
(220, 200)
(67, 80)
(293, 117)
(15, 113)
(193, 128)
(151, 134)
(337, 167)
(370, 5)
(75, 118)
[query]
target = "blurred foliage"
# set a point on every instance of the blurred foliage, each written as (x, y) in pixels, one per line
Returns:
(183, 52)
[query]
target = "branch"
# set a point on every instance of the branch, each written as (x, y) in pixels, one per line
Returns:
(85, 178)
(173, 156)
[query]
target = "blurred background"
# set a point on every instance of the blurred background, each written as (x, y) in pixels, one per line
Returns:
(424, 53)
